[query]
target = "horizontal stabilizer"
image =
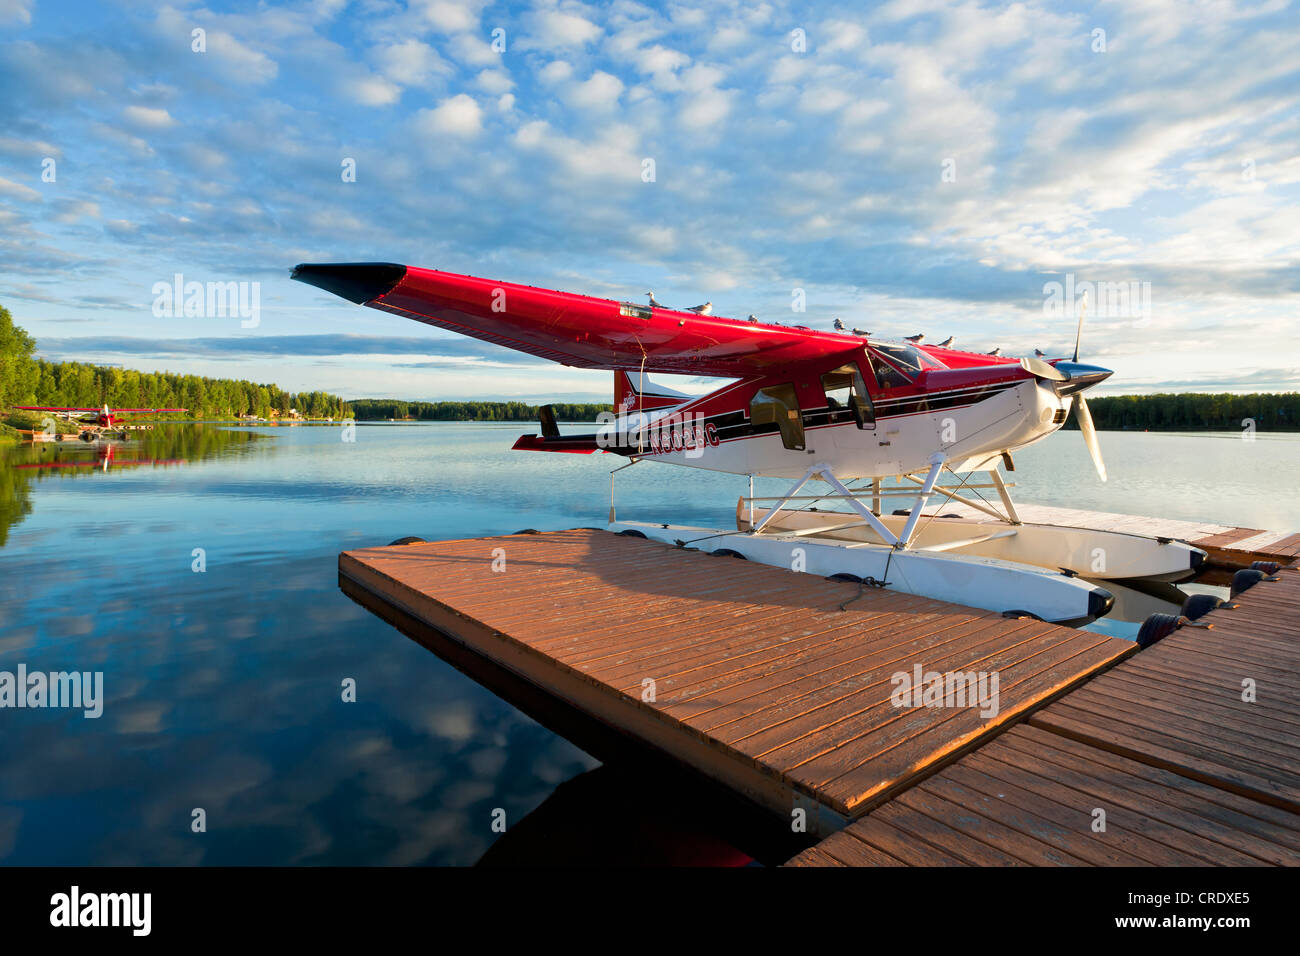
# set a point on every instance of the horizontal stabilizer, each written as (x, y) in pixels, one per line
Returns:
(574, 445)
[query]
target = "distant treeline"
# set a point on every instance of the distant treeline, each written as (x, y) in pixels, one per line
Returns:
(72, 383)
(1195, 411)
(383, 409)
(25, 380)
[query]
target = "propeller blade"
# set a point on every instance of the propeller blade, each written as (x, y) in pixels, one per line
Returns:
(1078, 333)
(1037, 367)
(1084, 418)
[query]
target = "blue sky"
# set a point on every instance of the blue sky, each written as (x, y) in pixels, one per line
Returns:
(911, 166)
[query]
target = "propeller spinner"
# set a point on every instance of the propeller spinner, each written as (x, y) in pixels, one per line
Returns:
(1071, 378)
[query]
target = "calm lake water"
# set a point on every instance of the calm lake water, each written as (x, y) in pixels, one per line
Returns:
(222, 688)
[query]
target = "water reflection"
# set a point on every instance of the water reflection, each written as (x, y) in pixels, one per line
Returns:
(164, 446)
(223, 686)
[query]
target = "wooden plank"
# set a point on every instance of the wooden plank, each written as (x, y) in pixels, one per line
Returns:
(847, 851)
(883, 837)
(594, 619)
(1213, 766)
(815, 856)
(860, 788)
(1046, 820)
(863, 688)
(739, 717)
(1178, 705)
(1211, 823)
(1028, 796)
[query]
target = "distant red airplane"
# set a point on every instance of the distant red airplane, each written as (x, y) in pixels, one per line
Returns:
(104, 417)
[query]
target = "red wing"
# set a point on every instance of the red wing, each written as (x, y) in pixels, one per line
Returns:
(68, 408)
(576, 330)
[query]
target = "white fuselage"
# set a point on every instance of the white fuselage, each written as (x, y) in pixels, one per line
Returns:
(1012, 416)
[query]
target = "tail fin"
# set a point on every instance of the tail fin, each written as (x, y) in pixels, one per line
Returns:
(629, 398)
(552, 440)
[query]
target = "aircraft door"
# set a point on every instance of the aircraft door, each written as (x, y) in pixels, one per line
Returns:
(847, 398)
(778, 404)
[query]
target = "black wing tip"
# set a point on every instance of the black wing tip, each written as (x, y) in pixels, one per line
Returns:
(358, 282)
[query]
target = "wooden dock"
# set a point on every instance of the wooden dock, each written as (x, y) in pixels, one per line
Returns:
(1188, 748)
(773, 683)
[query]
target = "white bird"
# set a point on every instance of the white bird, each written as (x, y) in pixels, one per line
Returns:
(996, 351)
(654, 303)
(916, 339)
(1039, 353)
(946, 343)
(861, 333)
(753, 317)
(705, 309)
(839, 326)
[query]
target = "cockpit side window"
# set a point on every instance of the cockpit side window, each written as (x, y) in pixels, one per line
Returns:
(846, 396)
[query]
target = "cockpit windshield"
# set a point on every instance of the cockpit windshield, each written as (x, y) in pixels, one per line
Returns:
(907, 357)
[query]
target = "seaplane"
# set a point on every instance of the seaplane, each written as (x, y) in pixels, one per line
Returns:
(852, 420)
(94, 420)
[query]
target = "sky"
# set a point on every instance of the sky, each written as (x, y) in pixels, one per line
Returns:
(909, 166)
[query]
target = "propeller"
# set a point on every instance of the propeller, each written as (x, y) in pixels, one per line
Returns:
(1081, 413)
(1071, 378)
(1084, 418)
(1043, 370)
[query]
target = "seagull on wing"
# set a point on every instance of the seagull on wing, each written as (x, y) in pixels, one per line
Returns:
(946, 343)
(839, 326)
(996, 351)
(705, 309)
(1039, 353)
(916, 339)
(753, 317)
(654, 303)
(861, 333)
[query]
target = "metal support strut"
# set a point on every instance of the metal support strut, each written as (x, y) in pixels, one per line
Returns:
(823, 471)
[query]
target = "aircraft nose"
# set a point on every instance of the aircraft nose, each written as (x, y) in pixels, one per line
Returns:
(1080, 377)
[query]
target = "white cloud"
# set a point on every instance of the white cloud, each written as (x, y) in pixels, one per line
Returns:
(555, 72)
(451, 16)
(411, 63)
(838, 36)
(611, 156)
(600, 91)
(15, 190)
(245, 63)
(661, 64)
(494, 81)
(554, 28)
(706, 109)
(148, 117)
(16, 11)
(238, 61)
(459, 116)
(373, 91)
